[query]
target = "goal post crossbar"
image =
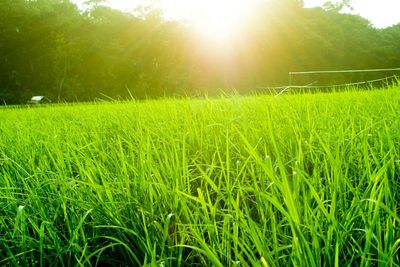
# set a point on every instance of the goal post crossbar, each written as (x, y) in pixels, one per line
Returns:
(341, 71)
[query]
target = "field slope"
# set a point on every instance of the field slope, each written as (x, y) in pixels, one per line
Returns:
(305, 180)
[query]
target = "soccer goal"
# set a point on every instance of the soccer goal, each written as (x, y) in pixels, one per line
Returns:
(343, 78)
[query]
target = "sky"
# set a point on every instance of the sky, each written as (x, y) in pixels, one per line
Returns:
(382, 13)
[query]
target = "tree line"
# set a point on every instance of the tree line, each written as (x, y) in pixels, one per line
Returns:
(52, 48)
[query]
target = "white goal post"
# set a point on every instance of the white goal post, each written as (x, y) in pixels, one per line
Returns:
(293, 73)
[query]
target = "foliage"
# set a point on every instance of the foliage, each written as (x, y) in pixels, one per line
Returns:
(50, 47)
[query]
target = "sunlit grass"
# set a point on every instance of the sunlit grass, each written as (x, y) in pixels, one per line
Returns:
(298, 180)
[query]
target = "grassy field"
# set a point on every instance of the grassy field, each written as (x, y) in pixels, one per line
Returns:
(298, 180)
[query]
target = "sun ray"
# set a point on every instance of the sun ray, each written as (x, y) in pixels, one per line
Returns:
(213, 20)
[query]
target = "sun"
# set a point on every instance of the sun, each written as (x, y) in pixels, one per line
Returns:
(213, 20)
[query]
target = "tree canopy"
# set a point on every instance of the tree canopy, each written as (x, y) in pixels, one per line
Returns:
(50, 47)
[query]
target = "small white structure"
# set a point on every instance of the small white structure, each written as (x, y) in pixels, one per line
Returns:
(39, 99)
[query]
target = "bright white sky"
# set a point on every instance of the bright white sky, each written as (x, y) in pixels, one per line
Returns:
(381, 13)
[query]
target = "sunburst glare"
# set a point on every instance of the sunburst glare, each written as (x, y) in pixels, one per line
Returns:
(214, 20)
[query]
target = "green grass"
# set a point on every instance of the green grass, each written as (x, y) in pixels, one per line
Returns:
(298, 180)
